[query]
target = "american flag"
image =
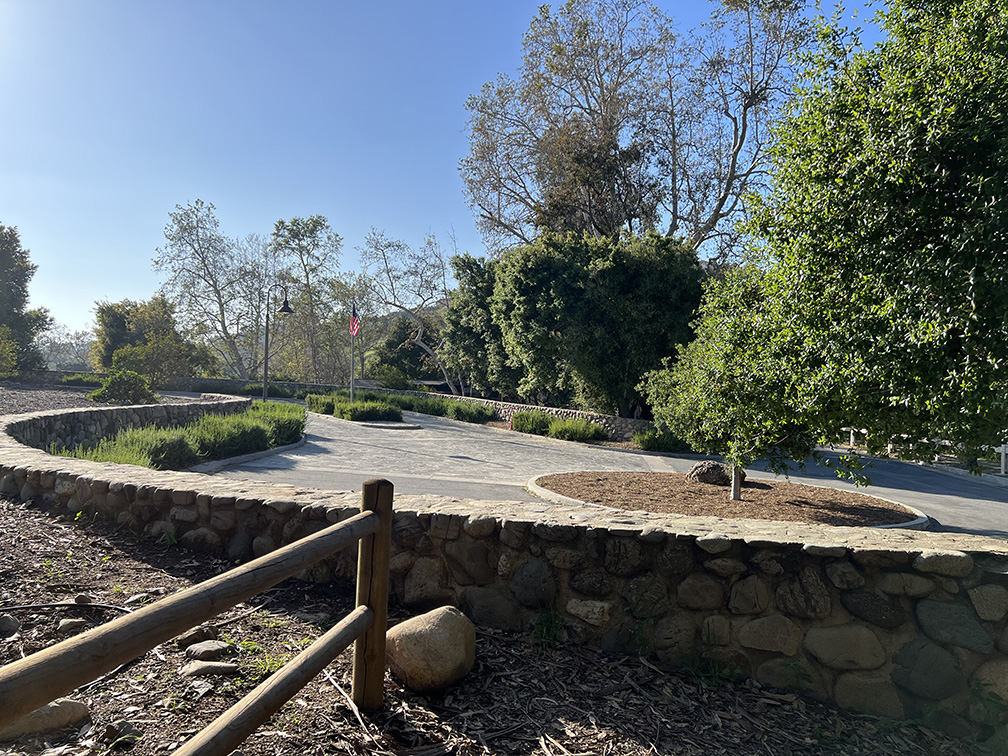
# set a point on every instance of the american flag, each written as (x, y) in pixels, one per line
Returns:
(354, 321)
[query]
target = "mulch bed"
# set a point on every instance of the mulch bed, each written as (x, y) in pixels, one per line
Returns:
(676, 493)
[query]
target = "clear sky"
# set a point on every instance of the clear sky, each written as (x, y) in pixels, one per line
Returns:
(114, 111)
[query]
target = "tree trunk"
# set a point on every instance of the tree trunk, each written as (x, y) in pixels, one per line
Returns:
(736, 483)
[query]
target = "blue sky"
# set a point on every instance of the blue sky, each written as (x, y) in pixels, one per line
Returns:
(117, 110)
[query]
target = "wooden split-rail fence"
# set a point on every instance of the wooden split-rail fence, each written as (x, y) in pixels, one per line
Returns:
(58, 670)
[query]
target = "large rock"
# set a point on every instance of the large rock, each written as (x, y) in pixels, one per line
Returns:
(990, 602)
(61, 713)
(871, 607)
(774, 633)
(533, 585)
(804, 595)
(953, 624)
(749, 596)
(845, 647)
(432, 651)
(700, 591)
(927, 670)
(869, 692)
(712, 473)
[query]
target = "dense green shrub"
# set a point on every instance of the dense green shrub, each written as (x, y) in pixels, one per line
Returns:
(470, 412)
(124, 387)
(359, 411)
(160, 448)
(321, 403)
(576, 429)
(429, 405)
(531, 421)
(82, 379)
(653, 439)
(393, 378)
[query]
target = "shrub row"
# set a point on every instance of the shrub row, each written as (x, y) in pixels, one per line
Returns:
(653, 439)
(335, 402)
(263, 426)
(569, 429)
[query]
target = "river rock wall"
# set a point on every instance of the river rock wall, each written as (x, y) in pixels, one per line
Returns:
(896, 623)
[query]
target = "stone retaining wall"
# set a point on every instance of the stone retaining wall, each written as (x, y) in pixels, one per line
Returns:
(897, 623)
(617, 428)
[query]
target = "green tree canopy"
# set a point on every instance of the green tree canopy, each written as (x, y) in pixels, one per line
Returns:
(884, 245)
(143, 337)
(591, 315)
(19, 326)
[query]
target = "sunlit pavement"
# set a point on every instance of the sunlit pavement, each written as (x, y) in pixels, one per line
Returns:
(462, 460)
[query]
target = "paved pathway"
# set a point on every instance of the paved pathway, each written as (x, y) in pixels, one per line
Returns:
(471, 461)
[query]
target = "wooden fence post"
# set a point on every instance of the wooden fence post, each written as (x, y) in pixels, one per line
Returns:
(372, 591)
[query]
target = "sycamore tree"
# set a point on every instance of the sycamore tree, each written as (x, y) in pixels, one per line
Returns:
(413, 282)
(883, 247)
(617, 124)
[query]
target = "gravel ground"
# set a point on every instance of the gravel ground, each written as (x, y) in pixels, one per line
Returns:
(16, 398)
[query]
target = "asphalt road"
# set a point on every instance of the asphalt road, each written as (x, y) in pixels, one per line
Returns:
(461, 460)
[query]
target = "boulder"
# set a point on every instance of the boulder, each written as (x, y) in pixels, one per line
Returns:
(711, 473)
(61, 713)
(432, 651)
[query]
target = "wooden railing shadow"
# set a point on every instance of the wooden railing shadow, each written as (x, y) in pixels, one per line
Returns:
(50, 673)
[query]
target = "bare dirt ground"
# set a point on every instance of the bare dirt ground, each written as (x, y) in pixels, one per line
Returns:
(526, 695)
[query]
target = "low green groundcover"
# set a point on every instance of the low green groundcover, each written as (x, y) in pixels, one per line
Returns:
(264, 425)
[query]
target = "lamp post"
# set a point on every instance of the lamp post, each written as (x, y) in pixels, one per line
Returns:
(284, 308)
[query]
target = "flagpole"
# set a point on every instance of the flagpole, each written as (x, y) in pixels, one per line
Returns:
(353, 338)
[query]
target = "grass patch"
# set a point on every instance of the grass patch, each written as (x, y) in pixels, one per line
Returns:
(264, 426)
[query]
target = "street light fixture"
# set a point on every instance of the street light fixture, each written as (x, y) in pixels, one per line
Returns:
(284, 308)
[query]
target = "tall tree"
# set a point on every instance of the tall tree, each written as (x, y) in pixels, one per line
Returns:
(22, 326)
(216, 284)
(411, 281)
(883, 240)
(616, 124)
(63, 349)
(311, 250)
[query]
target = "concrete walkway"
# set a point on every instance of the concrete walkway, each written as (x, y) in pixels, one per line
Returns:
(462, 460)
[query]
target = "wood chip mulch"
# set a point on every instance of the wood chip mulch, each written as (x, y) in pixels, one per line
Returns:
(676, 493)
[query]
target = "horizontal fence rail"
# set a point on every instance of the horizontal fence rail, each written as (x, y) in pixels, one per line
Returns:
(50, 673)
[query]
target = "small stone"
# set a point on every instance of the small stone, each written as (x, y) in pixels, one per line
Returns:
(906, 584)
(844, 575)
(674, 638)
(750, 595)
(479, 526)
(432, 651)
(992, 675)
(793, 673)
(870, 693)
(715, 543)
(83, 598)
(845, 647)
(716, 630)
(725, 567)
(825, 550)
(874, 608)
(208, 669)
(592, 583)
(208, 650)
(71, 625)
(990, 602)
(196, 635)
(58, 715)
(533, 585)
(622, 557)
(593, 612)
(774, 633)
(9, 625)
(121, 734)
(948, 563)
